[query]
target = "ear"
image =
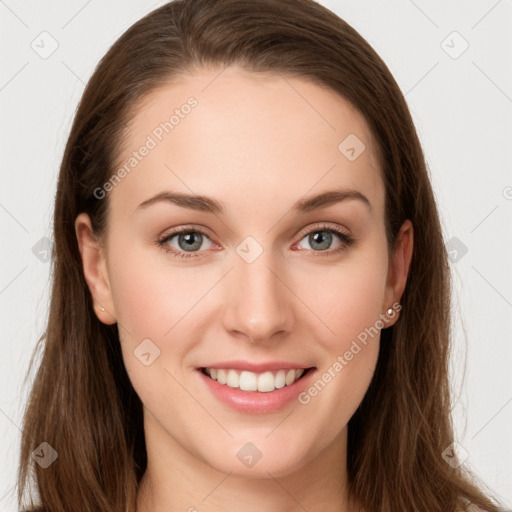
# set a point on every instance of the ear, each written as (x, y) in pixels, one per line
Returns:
(95, 269)
(398, 269)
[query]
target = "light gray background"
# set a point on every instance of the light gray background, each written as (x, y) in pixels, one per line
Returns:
(462, 108)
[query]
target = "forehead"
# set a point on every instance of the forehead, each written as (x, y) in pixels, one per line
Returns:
(232, 132)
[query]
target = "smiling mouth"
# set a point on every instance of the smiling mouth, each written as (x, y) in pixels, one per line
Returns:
(249, 381)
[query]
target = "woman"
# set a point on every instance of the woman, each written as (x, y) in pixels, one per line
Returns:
(202, 351)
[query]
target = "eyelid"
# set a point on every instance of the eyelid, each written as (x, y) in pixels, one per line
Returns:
(186, 228)
(322, 226)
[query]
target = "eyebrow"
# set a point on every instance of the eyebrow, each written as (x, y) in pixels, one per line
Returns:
(209, 205)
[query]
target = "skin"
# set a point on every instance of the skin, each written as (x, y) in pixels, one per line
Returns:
(257, 144)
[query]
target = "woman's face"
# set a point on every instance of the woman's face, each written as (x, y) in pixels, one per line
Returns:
(259, 275)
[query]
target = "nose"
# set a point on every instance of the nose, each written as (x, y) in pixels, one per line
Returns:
(259, 305)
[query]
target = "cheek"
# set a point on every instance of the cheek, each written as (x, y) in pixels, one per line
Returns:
(350, 305)
(148, 304)
(149, 296)
(350, 299)
(160, 302)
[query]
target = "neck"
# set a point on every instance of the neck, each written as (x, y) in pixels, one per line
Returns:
(178, 480)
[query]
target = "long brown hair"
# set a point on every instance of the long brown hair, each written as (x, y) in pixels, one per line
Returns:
(82, 402)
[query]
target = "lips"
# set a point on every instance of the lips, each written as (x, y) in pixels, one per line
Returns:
(270, 398)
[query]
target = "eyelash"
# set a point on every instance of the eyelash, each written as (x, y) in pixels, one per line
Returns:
(346, 240)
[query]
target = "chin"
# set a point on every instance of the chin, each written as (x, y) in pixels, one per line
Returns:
(260, 458)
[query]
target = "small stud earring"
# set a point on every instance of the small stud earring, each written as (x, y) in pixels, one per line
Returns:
(389, 311)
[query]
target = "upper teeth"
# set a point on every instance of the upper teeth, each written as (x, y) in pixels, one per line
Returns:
(249, 381)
